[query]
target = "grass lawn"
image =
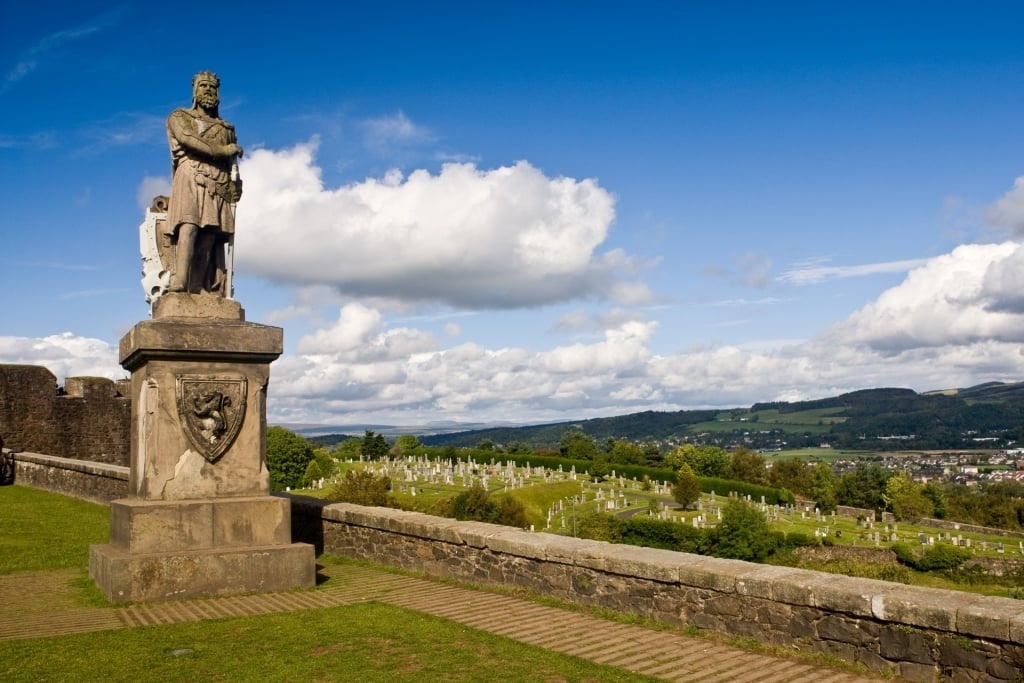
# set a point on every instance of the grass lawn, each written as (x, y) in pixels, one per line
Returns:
(367, 642)
(41, 530)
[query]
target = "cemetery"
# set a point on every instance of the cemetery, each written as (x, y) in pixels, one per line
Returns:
(419, 482)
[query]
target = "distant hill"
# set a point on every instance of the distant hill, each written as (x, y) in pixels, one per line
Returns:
(987, 415)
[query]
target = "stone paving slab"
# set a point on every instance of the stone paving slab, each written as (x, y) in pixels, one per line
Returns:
(38, 604)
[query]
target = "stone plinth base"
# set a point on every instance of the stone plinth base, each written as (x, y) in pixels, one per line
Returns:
(141, 577)
(162, 550)
(198, 520)
(152, 526)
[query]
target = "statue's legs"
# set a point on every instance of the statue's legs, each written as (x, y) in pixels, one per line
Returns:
(184, 253)
(205, 261)
(198, 260)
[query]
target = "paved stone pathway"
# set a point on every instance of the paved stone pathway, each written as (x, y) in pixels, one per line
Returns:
(36, 604)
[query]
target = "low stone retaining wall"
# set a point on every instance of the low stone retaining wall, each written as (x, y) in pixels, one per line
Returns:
(95, 481)
(916, 633)
(969, 528)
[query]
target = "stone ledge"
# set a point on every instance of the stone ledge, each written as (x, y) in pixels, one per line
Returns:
(98, 469)
(200, 339)
(912, 606)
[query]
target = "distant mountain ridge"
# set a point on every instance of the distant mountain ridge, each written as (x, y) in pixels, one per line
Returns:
(988, 414)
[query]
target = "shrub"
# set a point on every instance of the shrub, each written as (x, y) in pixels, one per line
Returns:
(657, 533)
(512, 512)
(936, 557)
(477, 504)
(743, 534)
(363, 488)
(799, 539)
(473, 503)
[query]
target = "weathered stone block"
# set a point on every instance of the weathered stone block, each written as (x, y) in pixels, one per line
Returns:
(988, 617)
(917, 673)
(140, 577)
(842, 629)
(138, 526)
(846, 594)
(478, 534)
(644, 563)
(759, 580)
(798, 588)
(908, 645)
(580, 552)
(520, 543)
(711, 572)
(1003, 670)
(924, 607)
(959, 653)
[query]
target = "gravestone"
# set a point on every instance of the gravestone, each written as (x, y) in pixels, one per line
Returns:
(199, 519)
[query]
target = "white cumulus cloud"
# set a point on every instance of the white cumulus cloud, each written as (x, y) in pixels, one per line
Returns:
(471, 238)
(955, 298)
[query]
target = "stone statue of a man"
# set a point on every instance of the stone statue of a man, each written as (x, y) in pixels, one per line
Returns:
(204, 190)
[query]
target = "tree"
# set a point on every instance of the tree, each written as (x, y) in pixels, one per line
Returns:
(934, 492)
(743, 534)
(288, 456)
(363, 487)
(747, 465)
(477, 504)
(905, 498)
(349, 449)
(823, 486)
(406, 444)
(313, 473)
(512, 512)
(705, 461)
(791, 473)
(374, 446)
(325, 461)
(686, 490)
(623, 452)
(519, 448)
(575, 444)
(863, 487)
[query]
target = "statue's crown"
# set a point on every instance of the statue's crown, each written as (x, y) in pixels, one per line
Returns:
(206, 76)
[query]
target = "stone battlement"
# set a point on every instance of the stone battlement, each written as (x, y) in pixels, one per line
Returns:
(89, 418)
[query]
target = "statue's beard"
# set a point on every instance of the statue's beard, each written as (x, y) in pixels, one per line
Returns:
(207, 100)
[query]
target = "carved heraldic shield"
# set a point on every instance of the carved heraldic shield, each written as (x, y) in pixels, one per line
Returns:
(211, 411)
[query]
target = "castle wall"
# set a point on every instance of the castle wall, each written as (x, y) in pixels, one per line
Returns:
(90, 419)
(916, 633)
(912, 632)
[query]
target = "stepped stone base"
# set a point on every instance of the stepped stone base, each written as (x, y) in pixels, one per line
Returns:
(162, 550)
(151, 526)
(141, 577)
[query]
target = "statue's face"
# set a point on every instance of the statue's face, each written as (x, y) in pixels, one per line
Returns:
(206, 93)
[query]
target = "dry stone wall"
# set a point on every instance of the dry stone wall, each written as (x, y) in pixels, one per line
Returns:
(916, 633)
(89, 419)
(98, 482)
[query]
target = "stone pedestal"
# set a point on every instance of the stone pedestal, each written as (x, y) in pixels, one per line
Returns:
(199, 519)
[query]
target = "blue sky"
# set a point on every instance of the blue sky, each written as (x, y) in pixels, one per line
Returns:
(544, 211)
